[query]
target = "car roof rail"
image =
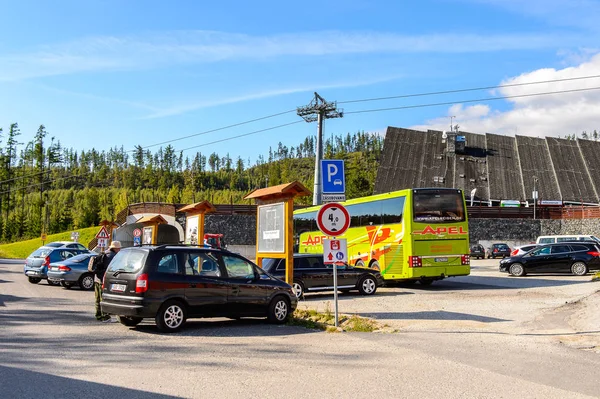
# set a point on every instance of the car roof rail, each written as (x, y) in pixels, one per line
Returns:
(163, 246)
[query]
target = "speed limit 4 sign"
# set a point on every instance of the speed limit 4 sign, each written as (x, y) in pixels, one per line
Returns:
(333, 219)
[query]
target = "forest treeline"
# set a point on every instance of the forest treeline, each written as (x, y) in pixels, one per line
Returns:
(45, 187)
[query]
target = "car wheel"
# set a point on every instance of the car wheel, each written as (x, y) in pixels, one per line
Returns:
(170, 316)
(86, 282)
(298, 289)
(34, 280)
(375, 265)
(129, 321)
(367, 286)
(66, 285)
(53, 283)
(425, 281)
(279, 310)
(517, 270)
(579, 269)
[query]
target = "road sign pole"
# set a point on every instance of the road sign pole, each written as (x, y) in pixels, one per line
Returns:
(335, 293)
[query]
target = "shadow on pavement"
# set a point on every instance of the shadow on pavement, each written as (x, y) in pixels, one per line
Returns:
(224, 328)
(432, 315)
(498, 283)
(4, 299)
(25, 384)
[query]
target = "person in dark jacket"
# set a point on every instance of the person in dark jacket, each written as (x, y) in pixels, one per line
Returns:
(100, 269)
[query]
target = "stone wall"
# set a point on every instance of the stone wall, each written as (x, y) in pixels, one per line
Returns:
(516, 232)
(241, 229)
(236, 229)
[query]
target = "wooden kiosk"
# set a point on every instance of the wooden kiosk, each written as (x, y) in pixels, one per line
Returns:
(194, 221)
(275, 223)
(150, 230)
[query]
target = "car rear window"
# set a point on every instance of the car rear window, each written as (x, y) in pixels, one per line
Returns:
(527, 247)
(80, 258)
(130, 261)
(566, 239)
(579, 248)
(269, 264)
(501, 246)
(41, 253)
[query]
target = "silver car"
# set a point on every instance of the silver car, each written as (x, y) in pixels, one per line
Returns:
(36, 264)
(72, 271)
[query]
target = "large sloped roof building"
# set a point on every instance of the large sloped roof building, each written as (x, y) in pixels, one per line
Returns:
(498, 167)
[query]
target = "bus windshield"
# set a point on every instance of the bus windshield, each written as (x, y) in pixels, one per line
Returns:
(438, 206)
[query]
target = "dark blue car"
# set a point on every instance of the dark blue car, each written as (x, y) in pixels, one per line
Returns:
(36, 264)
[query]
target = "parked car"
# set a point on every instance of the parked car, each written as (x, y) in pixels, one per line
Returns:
(523, 249)
(477, 251)
(566, 238)
(36, 264)
(311, 274)
(500, 250)
(72, 271)
(66, 244)
(577, 258)
(171, 283)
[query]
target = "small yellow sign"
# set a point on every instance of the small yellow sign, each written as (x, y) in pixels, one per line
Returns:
(43, 236)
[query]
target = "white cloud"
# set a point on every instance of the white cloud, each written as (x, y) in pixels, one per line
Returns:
(182, 108)
(193, 47)
(547, 115)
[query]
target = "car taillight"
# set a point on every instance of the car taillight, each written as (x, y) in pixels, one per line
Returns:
(495, 249)
(594, 253)
(46, 261)
(465, 259)
(63, 268)
(514, 252)
(141, 283)
(415, 261)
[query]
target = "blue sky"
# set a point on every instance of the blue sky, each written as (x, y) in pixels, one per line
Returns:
(104, 73)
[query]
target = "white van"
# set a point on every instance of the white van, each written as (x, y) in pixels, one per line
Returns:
(564, 238)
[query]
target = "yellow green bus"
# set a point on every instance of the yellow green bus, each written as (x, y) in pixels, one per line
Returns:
(419, 234)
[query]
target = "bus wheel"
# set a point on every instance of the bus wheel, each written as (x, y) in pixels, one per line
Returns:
(360, 263)
(375, 265)
(426, 281)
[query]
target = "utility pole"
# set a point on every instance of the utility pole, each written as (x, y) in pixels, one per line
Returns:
(317, 111)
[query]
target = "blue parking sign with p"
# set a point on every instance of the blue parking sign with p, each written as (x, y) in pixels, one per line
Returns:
(332, 176)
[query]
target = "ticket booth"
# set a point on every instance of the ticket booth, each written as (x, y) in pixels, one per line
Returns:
(275, 223)
(194, 221)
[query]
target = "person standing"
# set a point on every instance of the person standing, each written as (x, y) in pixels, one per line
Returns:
(98, 266)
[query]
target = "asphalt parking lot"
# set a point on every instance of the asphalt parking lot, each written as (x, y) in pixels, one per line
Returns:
(485, 301)
(485, 335)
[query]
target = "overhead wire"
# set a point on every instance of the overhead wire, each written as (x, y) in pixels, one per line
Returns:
(217, 129)
(349, 112)
(433, 93)
(471, 100)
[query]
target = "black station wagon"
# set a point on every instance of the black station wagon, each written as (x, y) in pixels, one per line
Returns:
(311, 274)
(577, 258)
(173, 283)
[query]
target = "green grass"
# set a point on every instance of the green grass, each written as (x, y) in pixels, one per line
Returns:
(22, 249)
(325, 321)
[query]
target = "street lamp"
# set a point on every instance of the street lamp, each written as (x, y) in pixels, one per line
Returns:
(534, 195)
